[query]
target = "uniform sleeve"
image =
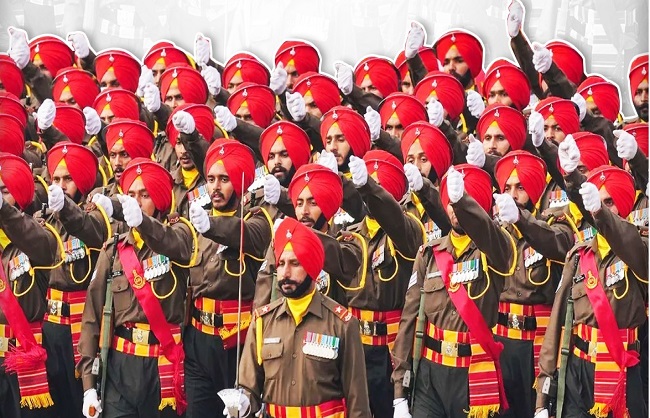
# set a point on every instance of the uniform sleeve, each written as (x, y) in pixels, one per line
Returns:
(552, 241)
(558, 83)
(353, 372)
(52, 136)
(264, 282)
(40, 84)
(639, 168)
(603, 127)
(251, 373)
(38, 243)
(360, 100)
(174, 241)
(197, 147)
(343, 258)
(226, 230)
(389, 144)
(249, 135)
(458, 147)
(430, 198)
(353, 203)
(524, 55)
(89, 227)
(417, 70)
(311, 125)
(285, 205)
(549, 154)
(573, 183)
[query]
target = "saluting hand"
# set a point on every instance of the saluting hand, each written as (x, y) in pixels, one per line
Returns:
(131, 210)
(475, 154)
(18, 47)
(436, 112)
(626, 145)
(580, 101)
(212, 79)
(93, 122)
(199, 218)
(374, 123)
(55, 197)
(151, 97)
(202, 49)
(515, 18)
(414, 40)
(542, 58)
(506, 208)
(568, 154)
(590, 197)
(184, 122)
(225, 118)
(296, 106)
(414, 177)
(271, 189)
(278, 81)
(46, 114)
(359, 171)
(146, 77)
(344, 77)
(80, 43)
(455, 185)
(536, 128)
(475, 103)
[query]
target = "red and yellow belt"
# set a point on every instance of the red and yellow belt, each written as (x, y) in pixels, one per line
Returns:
(378, 327)
(66, 308)
(330, 409)
(219, 317)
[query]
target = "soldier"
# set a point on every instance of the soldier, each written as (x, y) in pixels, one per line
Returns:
(161, 55)
(416, 60)
(292, 59)
(303, 353)
(319, 91)
(75, 87)
(602, 97)
(244, 67)
(505, 83)
(399, 110)
(638, 76)
(181, 84)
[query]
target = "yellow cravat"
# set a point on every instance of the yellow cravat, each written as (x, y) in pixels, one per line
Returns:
(603, 246)
(373, 226)
(298, 307)
(219, 213)
(139, 242)
(189, 176)
(4, 240)
(460, 243)
(418, 204)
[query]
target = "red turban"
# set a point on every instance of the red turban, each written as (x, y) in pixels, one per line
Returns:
(513, 80)
(82, 84)
(12, 134)
(53, 51)
(259, 99)
(324, 185)
(382, 73)
(469, 47)
(388, 171)
(295, 141)
(166, 52)
(156, 179)
(640, 133)
(638, 72)
(353, 125)
(71, 122)
(303, 55)
(530, 170)
(80, 161)
(249, 67)
(444, 88)
(123, 103)
(10, 105)
(17, 177)
(569, 60)
(10, 76)
(433, 142)
(236, 157)
(322, 88)
(593, 151)
(427, 56)
(189, 82)
(509, 120)
(563, 111)
(125, 66)
(136, 137)
(407, 108)
(305, 244)
(604, 94)
(478, 185)
(203, 119)
(618, 183)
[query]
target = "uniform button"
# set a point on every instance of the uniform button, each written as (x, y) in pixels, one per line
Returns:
(518, 268)
(519, 294)
(211, 258)
(453, 312)
(293, 383)
(293, 355)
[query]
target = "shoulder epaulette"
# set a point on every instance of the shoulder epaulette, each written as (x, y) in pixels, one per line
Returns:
(263, 310)
(339, 310)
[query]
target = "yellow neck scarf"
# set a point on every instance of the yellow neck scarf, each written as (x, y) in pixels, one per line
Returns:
(459, 242)
(139, 242)
(298, 307)
(372, 225)
(189, 176)
(418, 204)
(219, 213)
(4, 239)
(603, 246)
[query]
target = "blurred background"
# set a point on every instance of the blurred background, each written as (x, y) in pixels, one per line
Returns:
(608, 33)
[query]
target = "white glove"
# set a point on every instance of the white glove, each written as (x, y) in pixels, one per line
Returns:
(18, 47)
(414, 40)
(80, 43)
(244, 407)
(626, 145)
(374, 123)
(401, 408)
(581, 103)
(515, 18)
(151, 97)
(93, 122)
(105, 202)
(475, 153)
(455, 185)
(542, 58)
(436, 112)
(146, 77)
(55, 197)
(184, 122)
(276, 224)
(590, 197)
(543, 413)
(90, 399)
(131, 210)
(506, 207)
(569, 154)
(202, 49)
(359, 171)
(414, 177)
(475, 103)
(344, 77)
(271, 189)
(212, 79)
(328, 160)
(199, 218)
(296, 106)
(225, 118)
(536, 128)
(278, 82)
(46, 114)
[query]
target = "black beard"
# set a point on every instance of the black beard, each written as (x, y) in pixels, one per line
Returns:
(642, 111)
(288, 175)
(77, 197)
(458, 229)
(433, 177)
(230, 205)
(465, 80)
(345, 167)
(300, 289)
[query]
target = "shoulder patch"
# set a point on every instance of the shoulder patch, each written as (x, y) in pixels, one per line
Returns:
(173, 218)
(339, 310)
(263, 310)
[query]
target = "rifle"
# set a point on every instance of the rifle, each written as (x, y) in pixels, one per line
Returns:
(417, 347)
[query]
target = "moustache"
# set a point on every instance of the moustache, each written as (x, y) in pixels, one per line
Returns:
(278, 169)
(285, 282)
(217, 194)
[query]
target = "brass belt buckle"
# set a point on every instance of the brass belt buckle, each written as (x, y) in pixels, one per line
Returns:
(366, 328)
(449, 349)
(207, 318)
(515, 321)
(54, 307)
(593, 349)
(140, 336)
(4, 344)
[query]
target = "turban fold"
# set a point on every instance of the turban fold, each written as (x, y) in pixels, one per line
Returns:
(136, 137)
(593, 151)
(295, 141)
(638, 72)
(469, 47)
(427, 56)
(156, 179)
(322, 88)
(407, 108)
(10, 76)
(604, 94)
(53, 51)
(203, 119)
(478, 185)
(71, 122)
(304, 243)
(618, 183)
(302, 55)
(382, 73)
(563, 111)
(82, 85)
(259, 99)
(530, 170)
(125, 66)
(324, 185)
(189, 82)
(511, 122)
(17, 177)
(249, 68)
(10, 105)
(444, 88)
(640, 133)
(569, 60)
(236, 158)
(12, 134)
(433, 142)
(513, 80)
(80, 161)
(165, 52)
(388, 171)
(353, 125)
(123, 103)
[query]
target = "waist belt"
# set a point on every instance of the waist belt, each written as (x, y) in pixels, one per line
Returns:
(519, 322)
(136, 339)
(448, 348)
(219, 317)
(330, 409)
(377, 327)
(136, 333)
(588, 342)
(207, 318)
(61, 306)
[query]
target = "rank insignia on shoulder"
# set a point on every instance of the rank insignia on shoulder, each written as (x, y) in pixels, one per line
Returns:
(343, 313)
(173, 218)
(321, 345)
